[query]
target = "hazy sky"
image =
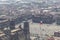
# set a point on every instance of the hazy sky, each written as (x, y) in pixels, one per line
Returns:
(7, 0)
(3, 0)
(27, 0)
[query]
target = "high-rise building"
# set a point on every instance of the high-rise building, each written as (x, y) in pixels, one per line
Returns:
(26, 31)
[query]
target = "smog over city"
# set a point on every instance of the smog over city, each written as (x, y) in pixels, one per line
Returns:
(29, 19)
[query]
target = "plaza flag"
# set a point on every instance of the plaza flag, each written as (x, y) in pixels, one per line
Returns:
(41, 22)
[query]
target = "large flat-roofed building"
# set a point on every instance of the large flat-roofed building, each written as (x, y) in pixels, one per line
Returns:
(4, 23)
(45, 18)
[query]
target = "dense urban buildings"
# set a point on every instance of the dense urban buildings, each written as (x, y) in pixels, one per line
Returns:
(30, 20)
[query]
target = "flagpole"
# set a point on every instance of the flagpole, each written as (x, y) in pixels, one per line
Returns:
(40, 31)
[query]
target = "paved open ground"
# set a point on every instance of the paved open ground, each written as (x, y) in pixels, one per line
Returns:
(36, 28)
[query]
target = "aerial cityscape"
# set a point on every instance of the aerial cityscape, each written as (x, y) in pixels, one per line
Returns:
(29, 19)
